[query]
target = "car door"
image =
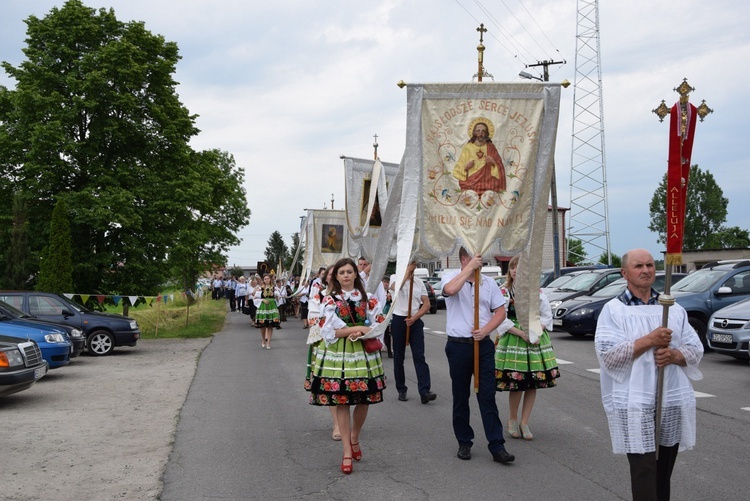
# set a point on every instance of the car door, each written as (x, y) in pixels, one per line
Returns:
(739, 284)
(51, 308)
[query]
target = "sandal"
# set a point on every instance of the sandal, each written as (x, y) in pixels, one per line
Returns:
(356, 455)
(513, 429)
(526, 432)
(336, 436)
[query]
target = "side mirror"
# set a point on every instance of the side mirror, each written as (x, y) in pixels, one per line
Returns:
(724, 290)
(66, 313)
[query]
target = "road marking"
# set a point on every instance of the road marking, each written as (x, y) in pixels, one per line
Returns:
(698, 394)
(560, 361)
(595, 371)
(745, 408)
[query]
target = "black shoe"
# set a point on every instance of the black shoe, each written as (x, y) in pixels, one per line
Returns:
(402, 396)
(390, 354)
(503, 456)
(464, 452)
(428, 397)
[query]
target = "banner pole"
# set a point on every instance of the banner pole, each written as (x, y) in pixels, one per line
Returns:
(408, 311)
(476, 326)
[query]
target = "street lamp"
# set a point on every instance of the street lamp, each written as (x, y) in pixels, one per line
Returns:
(529, 76)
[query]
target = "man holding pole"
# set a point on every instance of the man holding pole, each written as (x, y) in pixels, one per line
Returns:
(410, 303)
(631, 345)
(459, 291)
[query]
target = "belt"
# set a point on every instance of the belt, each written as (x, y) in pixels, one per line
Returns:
(467, 340)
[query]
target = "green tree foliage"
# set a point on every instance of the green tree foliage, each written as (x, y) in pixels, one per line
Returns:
(706, 210)
(276, 251)
(616, 260)
(300, 259)
(56, 270)
(95, 115)
(729, 238)
(576, 253)
(17, 270)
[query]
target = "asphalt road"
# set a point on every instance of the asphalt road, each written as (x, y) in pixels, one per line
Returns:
(246, 431)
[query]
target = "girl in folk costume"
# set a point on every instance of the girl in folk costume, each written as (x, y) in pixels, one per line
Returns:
(520, 366)
(318, 290)
(344, 374)
(267, 314)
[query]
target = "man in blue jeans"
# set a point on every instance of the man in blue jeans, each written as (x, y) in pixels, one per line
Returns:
(458, 289)
(406, 315)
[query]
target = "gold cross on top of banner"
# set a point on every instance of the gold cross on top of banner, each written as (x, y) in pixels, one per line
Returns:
(684, 89)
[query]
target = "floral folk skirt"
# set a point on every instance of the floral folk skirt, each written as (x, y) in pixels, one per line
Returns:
(521, 366)
(342, 373)
(267, 315)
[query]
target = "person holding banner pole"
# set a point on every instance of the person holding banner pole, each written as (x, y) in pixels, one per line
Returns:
(459, 289)
(408, 299)
(631, 346)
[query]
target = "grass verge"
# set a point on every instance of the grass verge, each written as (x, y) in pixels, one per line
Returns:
(203, 318)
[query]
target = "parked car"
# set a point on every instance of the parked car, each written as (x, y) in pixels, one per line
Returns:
(560, 281)
(103, 331)
(21, 365)
(75, 334)
(729, 330)
(431, 295)
(53, 342)
(715, 286)
(578, 316)
(586, 282)
(548, 276)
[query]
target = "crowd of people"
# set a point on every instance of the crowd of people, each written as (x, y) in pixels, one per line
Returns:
(346, 374)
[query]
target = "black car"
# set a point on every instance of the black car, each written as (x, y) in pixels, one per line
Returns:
(585, 282)
(103, 331)
(547, 276)
(578, 316)
(21, 365)
(75, 334)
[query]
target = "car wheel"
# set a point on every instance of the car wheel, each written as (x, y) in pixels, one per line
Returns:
(700, 328)
(100, 343)
(433, 308)
(578, 334)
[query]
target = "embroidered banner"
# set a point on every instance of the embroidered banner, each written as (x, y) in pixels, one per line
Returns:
(326, 238)
(681, 133)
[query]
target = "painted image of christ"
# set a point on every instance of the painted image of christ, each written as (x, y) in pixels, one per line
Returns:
(333, 237)
(479, 167)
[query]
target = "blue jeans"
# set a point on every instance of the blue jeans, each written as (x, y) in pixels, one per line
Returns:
(461, 364)
(416, 343)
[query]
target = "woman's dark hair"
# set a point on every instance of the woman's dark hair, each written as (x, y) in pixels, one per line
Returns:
(358, 284)
(324, 279)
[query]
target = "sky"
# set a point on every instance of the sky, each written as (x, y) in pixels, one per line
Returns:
(289, 86)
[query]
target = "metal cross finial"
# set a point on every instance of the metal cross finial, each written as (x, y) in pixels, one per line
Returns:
(482, 30)
(684, 89)
(375, 145)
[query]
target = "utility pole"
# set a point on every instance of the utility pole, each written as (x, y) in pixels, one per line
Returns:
(553, 184)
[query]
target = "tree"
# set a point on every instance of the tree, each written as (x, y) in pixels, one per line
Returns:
(276, 252)
(706, 210)
(300, 259)
(729, 238)
(56, 270)
(17, 269)
(95, 115)
(576, 252)
(616, 260)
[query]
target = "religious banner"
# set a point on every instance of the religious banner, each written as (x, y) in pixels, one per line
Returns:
(367, 184)
(681, 133)
(477, 173)
(326, 239)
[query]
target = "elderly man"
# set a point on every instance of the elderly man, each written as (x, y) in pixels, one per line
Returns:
(458, 289)
(631, 346)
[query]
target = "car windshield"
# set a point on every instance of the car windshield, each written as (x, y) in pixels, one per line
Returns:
(611, 290)
(699, 281)
(581, 282)
(559, 281)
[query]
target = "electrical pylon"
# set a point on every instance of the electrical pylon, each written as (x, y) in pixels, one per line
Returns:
(589, 213)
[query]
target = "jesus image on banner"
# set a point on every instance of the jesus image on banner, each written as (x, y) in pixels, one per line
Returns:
(479, 167)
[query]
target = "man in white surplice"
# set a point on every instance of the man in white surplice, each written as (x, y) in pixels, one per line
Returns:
(631, 345)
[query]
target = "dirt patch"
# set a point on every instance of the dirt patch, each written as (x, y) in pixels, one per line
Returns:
(100, 428)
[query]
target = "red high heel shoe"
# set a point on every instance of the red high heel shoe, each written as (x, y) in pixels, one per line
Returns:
(347, 469)
(356, 455)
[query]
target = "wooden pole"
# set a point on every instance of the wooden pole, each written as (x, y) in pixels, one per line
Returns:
(158, 314)
(408, 308)
(476, 326)
(666, 300)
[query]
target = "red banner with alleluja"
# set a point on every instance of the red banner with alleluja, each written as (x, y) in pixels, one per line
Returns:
(681, 134)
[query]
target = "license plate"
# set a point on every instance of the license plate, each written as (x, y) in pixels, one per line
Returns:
(557, 321)
(721, 338)
(41, 371)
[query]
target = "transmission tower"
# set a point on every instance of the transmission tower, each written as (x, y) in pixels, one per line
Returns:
(589, 213)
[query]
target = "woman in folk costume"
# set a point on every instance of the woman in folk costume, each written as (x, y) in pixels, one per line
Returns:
(344, 374)
(521, 366)
(318, 290)
(267, 314)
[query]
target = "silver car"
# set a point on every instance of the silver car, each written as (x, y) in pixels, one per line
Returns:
(729, 330)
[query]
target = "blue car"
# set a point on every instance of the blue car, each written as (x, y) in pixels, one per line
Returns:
(54, 343)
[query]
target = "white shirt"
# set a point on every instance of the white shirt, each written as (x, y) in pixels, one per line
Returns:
(401, 298)
(460, 306)
(629, 385)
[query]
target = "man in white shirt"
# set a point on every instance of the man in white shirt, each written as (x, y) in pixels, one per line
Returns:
(405, 316)
(458, 290)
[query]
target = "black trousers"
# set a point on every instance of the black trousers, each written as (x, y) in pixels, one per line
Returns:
(650, 479)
